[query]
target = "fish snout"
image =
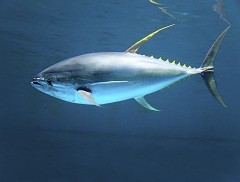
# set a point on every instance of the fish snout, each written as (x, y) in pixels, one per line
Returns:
(35, 83)
(38, 80)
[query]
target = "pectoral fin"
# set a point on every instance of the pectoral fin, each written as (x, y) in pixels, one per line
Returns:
(87, 95)
(143, 102)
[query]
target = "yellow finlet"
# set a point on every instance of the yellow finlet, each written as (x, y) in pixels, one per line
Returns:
(184, 65)
(160, 59)
(167, 60)
(173, 62)
(179, 64)
(189, 67)
(151, 56)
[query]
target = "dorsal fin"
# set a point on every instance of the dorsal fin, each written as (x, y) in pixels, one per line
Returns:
(134, 48)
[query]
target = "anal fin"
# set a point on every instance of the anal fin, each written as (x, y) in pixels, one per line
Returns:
(144, 103)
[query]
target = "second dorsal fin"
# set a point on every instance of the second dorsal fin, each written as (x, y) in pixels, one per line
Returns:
(134, 48)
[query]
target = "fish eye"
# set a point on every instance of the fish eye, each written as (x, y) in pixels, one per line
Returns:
(49, 82)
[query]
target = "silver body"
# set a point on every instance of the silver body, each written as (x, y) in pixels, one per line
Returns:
(110, 76)
(107, 77)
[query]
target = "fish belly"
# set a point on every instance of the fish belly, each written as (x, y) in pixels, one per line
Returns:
(104, 93)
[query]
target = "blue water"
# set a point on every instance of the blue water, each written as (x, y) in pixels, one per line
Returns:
(45, 139)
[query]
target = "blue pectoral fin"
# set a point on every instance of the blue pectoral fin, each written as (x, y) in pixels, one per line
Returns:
(143, 102)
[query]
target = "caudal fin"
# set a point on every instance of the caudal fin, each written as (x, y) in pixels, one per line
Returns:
(208, 67)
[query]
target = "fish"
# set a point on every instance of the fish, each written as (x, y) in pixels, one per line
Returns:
(108, 77)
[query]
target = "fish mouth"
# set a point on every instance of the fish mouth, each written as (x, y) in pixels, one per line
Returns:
(36, 81)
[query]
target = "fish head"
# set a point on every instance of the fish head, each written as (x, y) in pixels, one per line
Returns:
(54, 84)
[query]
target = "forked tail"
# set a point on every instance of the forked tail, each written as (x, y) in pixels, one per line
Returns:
(208, 67)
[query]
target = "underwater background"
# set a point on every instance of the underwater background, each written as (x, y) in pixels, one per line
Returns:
(193, 138)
